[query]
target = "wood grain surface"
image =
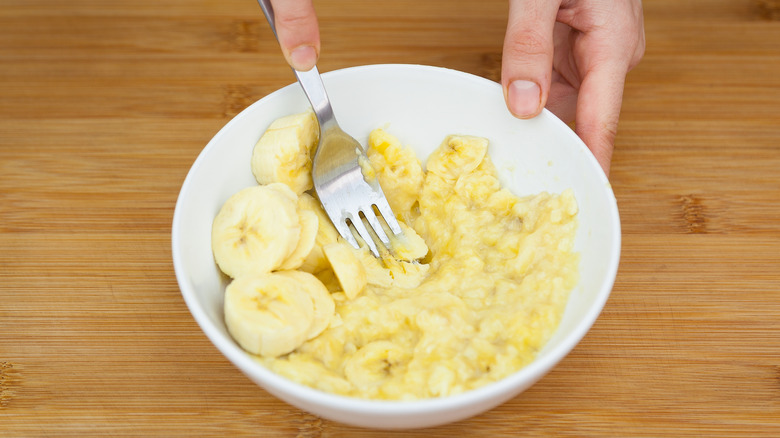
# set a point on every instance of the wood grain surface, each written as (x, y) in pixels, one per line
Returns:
(104, 105)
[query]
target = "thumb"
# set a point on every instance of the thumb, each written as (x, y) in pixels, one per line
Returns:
(527, 61)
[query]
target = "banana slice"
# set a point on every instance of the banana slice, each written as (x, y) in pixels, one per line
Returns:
(326, 233)
(283, 153)
(284, 190)
(268, 314)
(309, 225)
(375, 363)
(377, 273)
(348, 270)
(255, 231)
(406, 275)
(324, 306)
(328, 278)
(392, 270)
(400, 172)
(457, 155)
(408, 246)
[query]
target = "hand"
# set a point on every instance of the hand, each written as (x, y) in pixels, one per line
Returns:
(569, 55)
(573, 56)
(298, 32)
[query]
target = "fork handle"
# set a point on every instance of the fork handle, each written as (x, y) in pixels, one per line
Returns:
(310, 81)
(312, 85)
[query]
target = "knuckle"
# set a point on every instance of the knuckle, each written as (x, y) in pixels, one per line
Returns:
(640, 51)
(293, 20)
(528, 43)
(295, 15)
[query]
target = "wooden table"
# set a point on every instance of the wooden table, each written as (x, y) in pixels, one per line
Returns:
(104, 105)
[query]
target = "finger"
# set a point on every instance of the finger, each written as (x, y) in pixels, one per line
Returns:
(598, 109)
(564, 87)
(562, 100)
(528, 55)
(298, 32)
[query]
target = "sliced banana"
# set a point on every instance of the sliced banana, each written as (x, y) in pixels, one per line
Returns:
(400, 172)
(324, 306)
(284, 190)
(328, 278)
(377, 273)
(406, 275)
(375, 363)
(346, 266)
(326, 233)
(283, 153)
(309, 226)
(392, 269)
(407, 246)
(457, 155)
(268, 314)
(255, 231)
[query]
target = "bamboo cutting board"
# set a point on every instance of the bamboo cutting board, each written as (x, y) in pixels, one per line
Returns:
(105, 105)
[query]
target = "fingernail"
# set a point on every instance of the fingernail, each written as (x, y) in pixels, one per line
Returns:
(303, 58)
(523, 98)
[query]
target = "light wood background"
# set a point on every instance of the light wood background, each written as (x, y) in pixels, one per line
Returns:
(104, 105)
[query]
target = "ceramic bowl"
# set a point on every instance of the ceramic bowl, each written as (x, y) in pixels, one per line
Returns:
(420, 105)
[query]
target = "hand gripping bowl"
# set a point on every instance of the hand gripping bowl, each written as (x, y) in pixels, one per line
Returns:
(420, 105)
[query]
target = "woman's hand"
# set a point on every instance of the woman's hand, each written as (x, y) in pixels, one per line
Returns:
(298, 32)
(572, 56)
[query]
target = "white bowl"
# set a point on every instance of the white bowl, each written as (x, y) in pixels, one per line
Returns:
(420, 105)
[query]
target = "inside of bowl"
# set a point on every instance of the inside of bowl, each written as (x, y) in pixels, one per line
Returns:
(419, 105)
(221, 170)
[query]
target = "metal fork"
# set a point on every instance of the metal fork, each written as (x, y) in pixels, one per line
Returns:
(343, 178)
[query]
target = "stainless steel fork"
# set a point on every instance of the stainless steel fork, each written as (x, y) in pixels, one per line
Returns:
(343, 178)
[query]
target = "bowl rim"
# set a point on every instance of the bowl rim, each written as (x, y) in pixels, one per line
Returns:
(501, 389)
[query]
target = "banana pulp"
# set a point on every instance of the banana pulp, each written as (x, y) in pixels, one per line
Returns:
(469, 295)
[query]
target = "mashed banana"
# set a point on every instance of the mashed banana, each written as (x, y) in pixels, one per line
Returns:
(477, 307)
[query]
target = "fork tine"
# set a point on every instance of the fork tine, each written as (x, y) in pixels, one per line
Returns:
(365, 235)
(376, 225)
(387, 213)
(345, 231)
